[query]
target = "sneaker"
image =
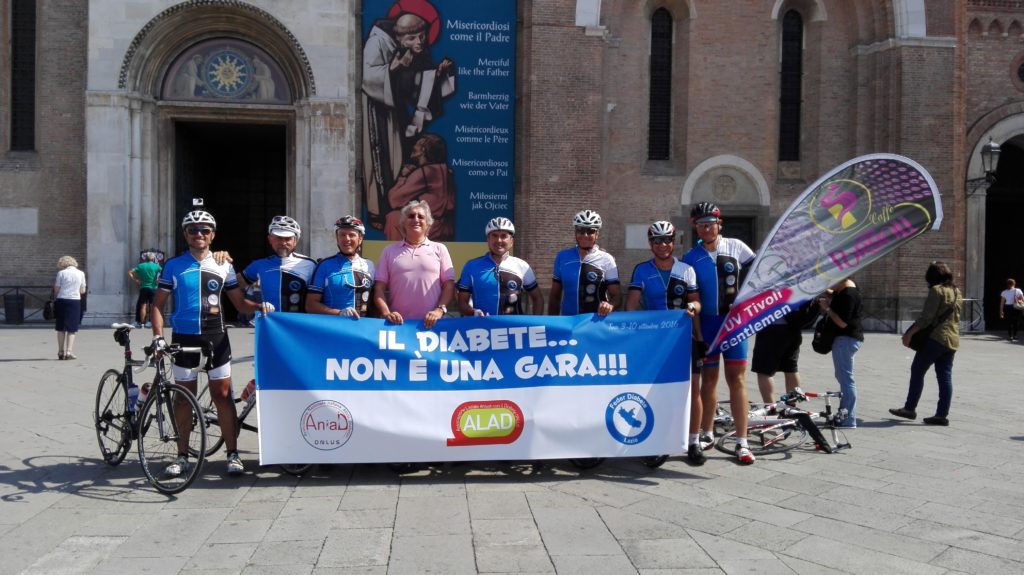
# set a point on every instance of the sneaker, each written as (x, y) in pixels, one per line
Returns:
(706, 440)
(936, 420)
(235, 466)
(179, 466)
(904, 413)
(695, 454)
(60, 355)
(70, 355)
(745, 456)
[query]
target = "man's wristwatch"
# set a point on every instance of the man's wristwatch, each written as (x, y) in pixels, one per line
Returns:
(443, 308)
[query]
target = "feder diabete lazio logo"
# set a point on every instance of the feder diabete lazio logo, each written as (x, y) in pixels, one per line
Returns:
(326, 425)
(629, 418)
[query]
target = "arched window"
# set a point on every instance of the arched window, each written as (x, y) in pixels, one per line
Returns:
(659, 121)
(23, 75)
(789, 86)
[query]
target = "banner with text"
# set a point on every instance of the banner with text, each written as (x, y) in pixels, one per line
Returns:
(339, 390)
(438, 94)
(848, 219)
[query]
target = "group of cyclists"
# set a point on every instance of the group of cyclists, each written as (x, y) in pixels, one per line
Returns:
(414, 279)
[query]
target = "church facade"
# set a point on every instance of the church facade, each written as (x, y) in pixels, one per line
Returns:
(117, 117)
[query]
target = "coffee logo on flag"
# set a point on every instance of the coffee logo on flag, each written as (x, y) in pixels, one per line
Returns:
(629, 418)
(326, 425)
(841, 206)
(486, 423)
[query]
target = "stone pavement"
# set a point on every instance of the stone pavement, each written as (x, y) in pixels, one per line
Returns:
(906, 499)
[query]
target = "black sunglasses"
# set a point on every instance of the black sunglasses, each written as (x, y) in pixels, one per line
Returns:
(197, 231)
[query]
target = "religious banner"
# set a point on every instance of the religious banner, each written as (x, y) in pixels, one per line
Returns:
(849, 218)
(341, 390)
(438, 94)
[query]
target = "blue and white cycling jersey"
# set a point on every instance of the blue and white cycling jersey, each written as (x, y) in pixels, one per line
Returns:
(344, 282)
(283, 281)
(584, 283)
(497, 289)
(719, 273)
(663, 289)
(197, 288)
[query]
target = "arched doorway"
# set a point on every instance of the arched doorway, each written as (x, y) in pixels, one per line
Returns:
(1004, 204)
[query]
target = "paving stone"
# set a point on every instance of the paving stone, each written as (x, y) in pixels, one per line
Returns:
(846, 512)
(222, 556)
(305, 551)
(432, 516)
(897, 543)
(441, 554)
(855, 559)
(682, 553)
(495, 532)
(513, 559)
(690, 516)
(574, 532)
(766, 536)
(964, 561)
(372, 499)
(1004, 547)
(973, 520)
(166, 565)
(356, 548)
(762, 512)
(498, 505)
(242, 531)
(626, 525)
(75, 555)
(184, 530)
(363, 518)
(592, 565)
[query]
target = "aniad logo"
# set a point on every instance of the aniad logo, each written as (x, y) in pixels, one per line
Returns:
(326, 425)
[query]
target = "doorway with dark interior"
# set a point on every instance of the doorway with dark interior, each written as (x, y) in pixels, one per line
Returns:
(240, 172)
(1004, 207)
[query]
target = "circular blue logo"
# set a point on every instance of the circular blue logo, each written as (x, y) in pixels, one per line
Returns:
(629, 418)
(592, 276)
(728, 267)
(295, 285)
(678, 290)
(213, 285)
(512, 285)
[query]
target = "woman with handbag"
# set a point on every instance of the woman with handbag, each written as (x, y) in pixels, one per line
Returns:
(1012, 300)
(941, 314)
(67, 293)
(845, 311)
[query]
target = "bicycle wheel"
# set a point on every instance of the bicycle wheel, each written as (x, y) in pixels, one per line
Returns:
(214, 439)
(654, 461)
(766, 440)
(587, 462)
(112, 419)
(296, 469)
(159, 430)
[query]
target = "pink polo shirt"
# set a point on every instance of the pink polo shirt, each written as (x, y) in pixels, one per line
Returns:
(414, 276)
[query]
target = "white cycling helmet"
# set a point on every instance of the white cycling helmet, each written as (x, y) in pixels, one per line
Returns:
(661, 229)
(198, 217)
(587, 219)
(285, 227)
(500, 224)
(351, 222)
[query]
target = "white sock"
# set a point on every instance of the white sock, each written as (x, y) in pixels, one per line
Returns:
(694, 438)
(741, 441)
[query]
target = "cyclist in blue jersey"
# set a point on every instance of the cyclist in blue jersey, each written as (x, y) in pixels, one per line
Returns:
(665, 283)
(586, 279)
(198, 283)
(342, 283)
(721, 264)
(496, 283)
(283, 277)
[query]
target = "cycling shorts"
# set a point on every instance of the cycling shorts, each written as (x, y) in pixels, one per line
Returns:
(216, 348)
(709, 325)
(777, 349)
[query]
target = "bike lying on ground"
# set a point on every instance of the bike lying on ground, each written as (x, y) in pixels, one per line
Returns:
(169, 414)
(781, 426)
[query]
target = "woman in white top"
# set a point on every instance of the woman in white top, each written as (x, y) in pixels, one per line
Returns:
(1007, 298)
(67, 309)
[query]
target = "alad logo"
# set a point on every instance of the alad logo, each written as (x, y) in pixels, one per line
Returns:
(326, 425)
(486, 423)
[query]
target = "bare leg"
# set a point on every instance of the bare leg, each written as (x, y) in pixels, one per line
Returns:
(70, 343)
(792, 381)
(695, 403)
(765, 383)
(61, 338)
(734, 374)
(708, 397)
(183, 416)
(220, 392)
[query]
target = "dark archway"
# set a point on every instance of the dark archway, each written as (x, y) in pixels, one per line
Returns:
(1004, 208)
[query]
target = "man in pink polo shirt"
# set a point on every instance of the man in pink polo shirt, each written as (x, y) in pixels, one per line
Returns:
(415, 277)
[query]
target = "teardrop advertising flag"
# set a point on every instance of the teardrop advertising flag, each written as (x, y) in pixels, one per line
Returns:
(849, 218)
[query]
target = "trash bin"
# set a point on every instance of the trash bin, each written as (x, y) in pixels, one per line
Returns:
(14, 308)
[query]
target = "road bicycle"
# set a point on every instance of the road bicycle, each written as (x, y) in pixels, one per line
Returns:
(170, 412)
(781, 426)
(245, 404)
